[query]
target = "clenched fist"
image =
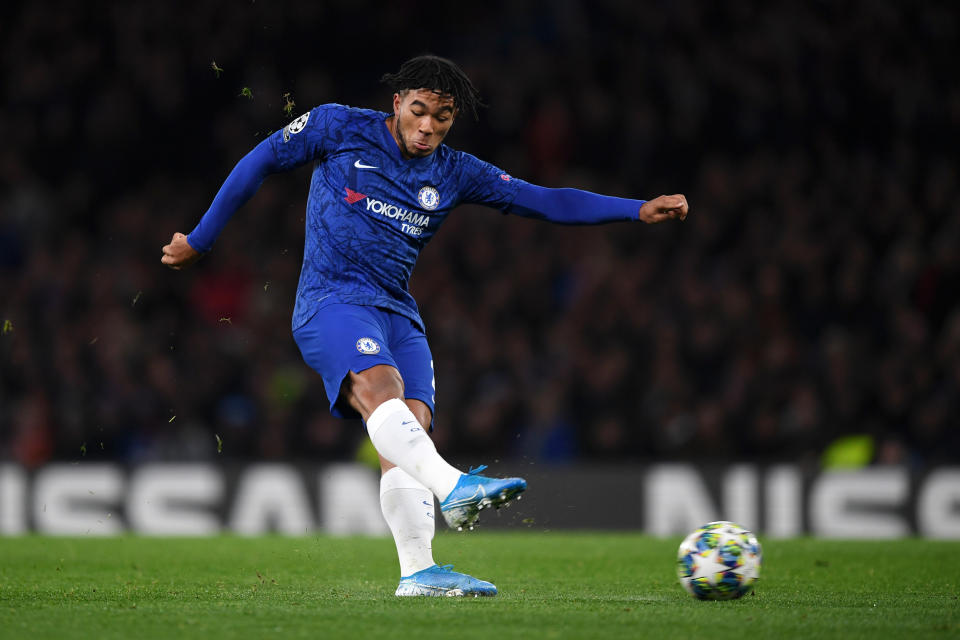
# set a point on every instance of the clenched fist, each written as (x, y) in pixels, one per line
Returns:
(179, 254)
(664, 208)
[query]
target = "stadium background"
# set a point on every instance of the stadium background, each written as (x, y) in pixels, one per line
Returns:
(812, 294)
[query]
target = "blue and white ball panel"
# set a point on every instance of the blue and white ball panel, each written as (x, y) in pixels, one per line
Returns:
(719, 561)
(340, 338)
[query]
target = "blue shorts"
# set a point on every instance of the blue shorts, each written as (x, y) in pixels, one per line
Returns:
(340, 338)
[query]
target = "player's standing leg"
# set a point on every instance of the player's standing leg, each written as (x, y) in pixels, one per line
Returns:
(408, 509)
(408, 506)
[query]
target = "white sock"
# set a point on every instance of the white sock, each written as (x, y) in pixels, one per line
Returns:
(407, 507)
(398, 437)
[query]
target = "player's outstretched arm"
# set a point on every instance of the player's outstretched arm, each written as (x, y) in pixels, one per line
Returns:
(179, 254)
(664, 208)
(239, 187)
(573, 206)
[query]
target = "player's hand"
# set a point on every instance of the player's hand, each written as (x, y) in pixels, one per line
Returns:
(664, 208)
(179, 254)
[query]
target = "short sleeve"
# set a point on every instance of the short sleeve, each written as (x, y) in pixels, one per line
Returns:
(483, 183)
(309, 137)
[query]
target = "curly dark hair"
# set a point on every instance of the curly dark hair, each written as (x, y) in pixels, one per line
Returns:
(437, 74)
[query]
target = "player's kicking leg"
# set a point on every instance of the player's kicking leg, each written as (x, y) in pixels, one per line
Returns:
(360, 351)
(398, 427)
(398, 436)
(474, 493)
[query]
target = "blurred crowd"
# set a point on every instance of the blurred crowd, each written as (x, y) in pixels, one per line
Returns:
(811, 294)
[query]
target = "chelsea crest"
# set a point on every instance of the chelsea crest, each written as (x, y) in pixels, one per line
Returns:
(368, 346)
(428, 198)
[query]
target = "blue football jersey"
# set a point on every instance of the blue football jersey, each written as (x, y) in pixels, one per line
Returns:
(370, 210)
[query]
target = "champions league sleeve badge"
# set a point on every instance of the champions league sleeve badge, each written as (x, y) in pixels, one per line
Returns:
(428, 198)
(368, 346)
(295, 127)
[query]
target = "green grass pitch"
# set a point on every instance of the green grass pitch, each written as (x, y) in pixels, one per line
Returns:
(552, 585)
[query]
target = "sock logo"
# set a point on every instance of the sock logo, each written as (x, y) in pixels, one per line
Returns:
(368, 346)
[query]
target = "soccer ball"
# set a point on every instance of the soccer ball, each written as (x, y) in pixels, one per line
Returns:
(719, 561)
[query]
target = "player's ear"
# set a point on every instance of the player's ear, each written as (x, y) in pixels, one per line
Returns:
(396, 104)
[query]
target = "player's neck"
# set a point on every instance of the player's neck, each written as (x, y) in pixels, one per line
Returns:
(391, 123)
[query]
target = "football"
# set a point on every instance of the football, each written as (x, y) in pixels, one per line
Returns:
(719, 561)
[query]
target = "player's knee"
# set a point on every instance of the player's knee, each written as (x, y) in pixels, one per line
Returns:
(420, 411)
(370, 388)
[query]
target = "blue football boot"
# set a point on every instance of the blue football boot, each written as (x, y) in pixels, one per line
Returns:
(474, 493)
(439, 580)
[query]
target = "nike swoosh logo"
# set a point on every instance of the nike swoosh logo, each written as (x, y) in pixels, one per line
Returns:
(407, 422)
(360, 165)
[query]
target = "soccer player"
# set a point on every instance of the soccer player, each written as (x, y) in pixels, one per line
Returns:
(382, 185)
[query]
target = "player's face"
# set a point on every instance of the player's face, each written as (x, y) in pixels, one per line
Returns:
(422, 119)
